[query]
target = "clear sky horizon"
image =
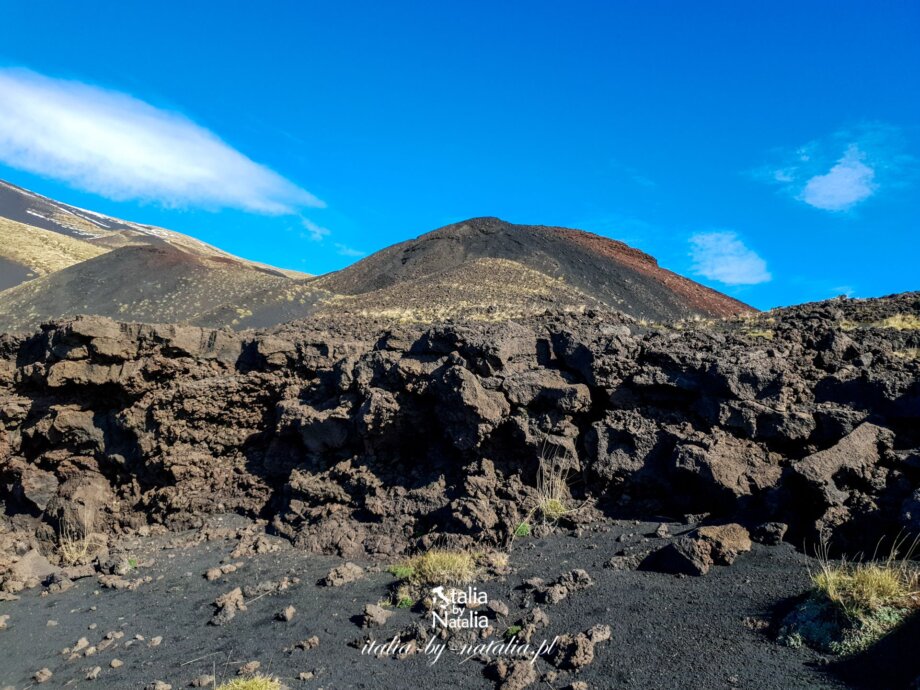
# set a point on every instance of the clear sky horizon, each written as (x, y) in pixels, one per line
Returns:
(769, 150)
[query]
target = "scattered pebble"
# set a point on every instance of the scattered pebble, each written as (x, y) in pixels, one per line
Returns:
(309, 643)
(287, 615)
(158, 685)
(227, 606)
(249, 667)
(342, 575)
(755, 623)
(93, 673)
(203, 681)
(3, 621)
(51, 624)
(155, 641)
(498, 607)
(375, 616)
(116, 663)
(218, 572)
(42, 675)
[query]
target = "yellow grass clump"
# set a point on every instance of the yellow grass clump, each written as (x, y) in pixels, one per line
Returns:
(859, 589)
(854, 604)
(900, 322)
(253, 683)
(77, 546)
(438, 567)
(79, 550)
(553, 495)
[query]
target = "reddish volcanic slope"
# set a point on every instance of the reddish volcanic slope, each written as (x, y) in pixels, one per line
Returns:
(611, 272)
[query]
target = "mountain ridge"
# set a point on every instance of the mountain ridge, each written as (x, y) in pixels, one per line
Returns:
(59, 261)
(615, 274)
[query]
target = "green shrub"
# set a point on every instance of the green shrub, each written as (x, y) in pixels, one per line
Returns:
(512, 631)
(522, 530)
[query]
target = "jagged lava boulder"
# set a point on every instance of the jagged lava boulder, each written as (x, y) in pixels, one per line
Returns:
(362, 437)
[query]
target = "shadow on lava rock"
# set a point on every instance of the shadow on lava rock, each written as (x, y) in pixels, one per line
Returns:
(893, 663)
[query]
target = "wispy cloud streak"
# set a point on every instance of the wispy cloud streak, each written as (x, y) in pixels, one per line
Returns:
(117, 146)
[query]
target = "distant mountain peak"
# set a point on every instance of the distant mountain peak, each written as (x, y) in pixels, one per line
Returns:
(610, 272)
(58, 260)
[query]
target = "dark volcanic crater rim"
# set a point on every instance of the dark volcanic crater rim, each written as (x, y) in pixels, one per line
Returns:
(610, 271)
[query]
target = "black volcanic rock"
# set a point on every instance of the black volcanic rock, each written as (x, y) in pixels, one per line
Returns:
(358, 437)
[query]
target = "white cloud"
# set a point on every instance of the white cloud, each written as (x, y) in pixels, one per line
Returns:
(117, 146)
(314, 232)
(838, 172)
(847, 183)
(723, 257)
(345, 250)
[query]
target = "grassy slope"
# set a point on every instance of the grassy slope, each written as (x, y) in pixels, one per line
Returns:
(147, 284)
(42, 251)
(483, 289)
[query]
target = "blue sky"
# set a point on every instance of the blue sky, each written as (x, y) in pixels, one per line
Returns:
(769, 150)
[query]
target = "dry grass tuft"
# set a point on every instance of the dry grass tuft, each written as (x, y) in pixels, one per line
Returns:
(900, 322)
(859, 589)
(911, 354)
(553, 500)
(78, 550)
(254, 683)
(854, 604)
(553, 479)
(77, 547)
(438, 567)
